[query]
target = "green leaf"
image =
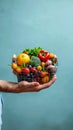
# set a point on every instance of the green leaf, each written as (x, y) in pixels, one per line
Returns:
(33, 52)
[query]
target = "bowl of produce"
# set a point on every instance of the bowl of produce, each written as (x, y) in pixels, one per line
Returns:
(30, 65)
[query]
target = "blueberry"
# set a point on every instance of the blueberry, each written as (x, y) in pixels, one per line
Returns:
(28, 75)
(27, 65)
(39, 73)
(36, 75)
(30, 66)
(31, 75)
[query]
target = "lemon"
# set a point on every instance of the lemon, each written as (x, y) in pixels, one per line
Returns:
(22, 58)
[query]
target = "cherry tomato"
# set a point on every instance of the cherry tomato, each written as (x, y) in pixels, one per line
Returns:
(33, 70)
(26, 70)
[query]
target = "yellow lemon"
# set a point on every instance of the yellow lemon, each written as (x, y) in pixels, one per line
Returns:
(23, 58)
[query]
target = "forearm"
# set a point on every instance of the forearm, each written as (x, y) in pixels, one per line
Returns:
(6, 86)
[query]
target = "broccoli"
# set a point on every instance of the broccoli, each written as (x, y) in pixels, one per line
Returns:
(35, 61)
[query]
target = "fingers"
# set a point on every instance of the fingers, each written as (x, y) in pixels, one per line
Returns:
(46, 85)
(26, 84)
(33, 84)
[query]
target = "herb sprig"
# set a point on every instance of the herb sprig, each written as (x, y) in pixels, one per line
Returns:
(33, 51)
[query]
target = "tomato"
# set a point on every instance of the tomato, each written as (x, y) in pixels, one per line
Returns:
(26, 70)
(33, 70)
(23, 58)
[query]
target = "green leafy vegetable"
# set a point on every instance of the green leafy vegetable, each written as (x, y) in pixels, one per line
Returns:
(33, 51)
(35, 61)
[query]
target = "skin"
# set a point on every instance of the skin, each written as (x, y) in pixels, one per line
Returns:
(24, 86)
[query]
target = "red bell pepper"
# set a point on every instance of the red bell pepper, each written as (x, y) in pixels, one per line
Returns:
(43, 55)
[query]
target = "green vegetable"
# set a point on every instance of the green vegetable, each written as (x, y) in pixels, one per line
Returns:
(35, 61)
(33, 51)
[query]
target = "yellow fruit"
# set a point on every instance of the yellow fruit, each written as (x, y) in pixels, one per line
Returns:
(18, 70)
(23, 58)
(45, 79)
(51, 55)
(39, 68)
(43, 73)
(43, 63)
(14, 66)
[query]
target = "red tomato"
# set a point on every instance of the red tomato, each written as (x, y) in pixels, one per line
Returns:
(33, 70)
(26, 70)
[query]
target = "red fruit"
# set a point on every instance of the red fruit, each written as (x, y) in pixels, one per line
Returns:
(33, 70)
(43, 55)
(26, 70)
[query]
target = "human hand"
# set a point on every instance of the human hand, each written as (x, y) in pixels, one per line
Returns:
(25, 86)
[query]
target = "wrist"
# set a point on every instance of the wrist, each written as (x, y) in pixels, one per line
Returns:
(6, 86)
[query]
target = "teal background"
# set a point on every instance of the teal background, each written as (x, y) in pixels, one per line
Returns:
(33, 23)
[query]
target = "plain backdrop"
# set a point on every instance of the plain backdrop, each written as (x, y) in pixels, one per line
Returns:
(28, 24)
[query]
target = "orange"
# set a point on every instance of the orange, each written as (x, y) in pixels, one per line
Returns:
(51, 55)
(18, 70)
(14, 66)
(45, 79)
(23, 58)
(43, 73)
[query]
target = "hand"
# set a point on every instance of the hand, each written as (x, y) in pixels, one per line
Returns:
(25, 86)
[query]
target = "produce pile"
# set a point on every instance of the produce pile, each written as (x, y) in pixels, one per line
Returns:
(30, 65)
